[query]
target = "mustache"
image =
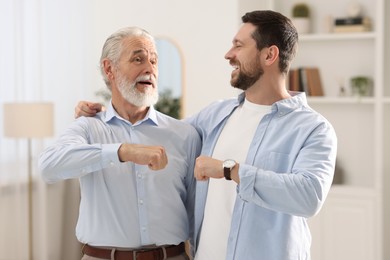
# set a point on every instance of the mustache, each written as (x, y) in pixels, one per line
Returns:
(146, 78)
(234, 62)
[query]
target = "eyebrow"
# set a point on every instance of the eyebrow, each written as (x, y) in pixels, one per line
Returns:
(143, 50)
(236, 40)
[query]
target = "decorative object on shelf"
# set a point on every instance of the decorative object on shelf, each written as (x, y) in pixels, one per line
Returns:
(29, 120)
(301, 18)
(342, 91)
(354, 9)
(352, 24)
(355, 21)
(361, 86)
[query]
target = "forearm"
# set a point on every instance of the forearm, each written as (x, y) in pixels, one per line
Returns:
(293, 194)
(61, 161)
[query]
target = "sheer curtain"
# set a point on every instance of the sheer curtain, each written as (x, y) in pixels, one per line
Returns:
(41, 47)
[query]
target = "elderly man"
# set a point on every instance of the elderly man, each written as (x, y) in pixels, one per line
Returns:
(135, 165)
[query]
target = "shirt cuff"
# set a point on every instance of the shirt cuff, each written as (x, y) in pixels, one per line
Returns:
(247, 175)
(110, 154)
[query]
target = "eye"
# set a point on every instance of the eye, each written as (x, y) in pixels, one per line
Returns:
(153, 61)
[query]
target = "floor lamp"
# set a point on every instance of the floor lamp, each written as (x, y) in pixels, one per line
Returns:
(28, 120)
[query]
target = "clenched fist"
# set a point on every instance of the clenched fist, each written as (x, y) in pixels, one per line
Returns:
(207, 167)
(154, 157)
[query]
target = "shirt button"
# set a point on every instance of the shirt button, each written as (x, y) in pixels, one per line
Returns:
(143, 229)
(141, 202)
(112, 164)
(139, 175)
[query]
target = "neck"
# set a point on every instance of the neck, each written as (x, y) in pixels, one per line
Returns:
(267, 91)
(128, 111)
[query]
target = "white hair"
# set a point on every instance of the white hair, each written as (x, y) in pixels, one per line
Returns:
(112, 48)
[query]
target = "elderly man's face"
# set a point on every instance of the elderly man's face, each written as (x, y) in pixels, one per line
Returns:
(137, 72)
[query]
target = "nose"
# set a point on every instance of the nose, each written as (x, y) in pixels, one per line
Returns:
(228, 55)
(151, 68)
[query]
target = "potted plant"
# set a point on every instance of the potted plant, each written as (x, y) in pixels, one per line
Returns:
(301, 17)
(361, 86)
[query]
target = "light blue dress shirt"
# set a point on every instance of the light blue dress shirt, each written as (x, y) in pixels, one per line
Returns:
(124, 204)
(287, 175)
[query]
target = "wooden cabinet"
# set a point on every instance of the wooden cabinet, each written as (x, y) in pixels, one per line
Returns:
(345, 227)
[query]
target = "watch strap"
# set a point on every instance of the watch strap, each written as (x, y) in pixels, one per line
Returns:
(227, 173)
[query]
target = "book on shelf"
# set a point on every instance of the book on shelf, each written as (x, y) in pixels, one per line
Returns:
(349, 24)
(314, 83)
(306, 79)
(352, 20)
(351, 28)
(293, 80)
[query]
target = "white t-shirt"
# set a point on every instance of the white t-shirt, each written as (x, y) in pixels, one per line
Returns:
(233, 143)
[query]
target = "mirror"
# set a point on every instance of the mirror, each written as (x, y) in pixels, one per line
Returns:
(170, 82)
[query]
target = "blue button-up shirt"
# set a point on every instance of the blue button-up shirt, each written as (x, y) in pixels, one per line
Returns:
(285, 179)
(124, 204)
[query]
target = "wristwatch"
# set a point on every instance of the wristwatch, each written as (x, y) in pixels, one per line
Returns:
(228, 165)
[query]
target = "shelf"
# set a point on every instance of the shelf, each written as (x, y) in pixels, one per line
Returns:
(337, 36)
(386, 100)
(341, 100)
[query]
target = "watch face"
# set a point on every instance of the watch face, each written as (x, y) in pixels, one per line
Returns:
(229, 163)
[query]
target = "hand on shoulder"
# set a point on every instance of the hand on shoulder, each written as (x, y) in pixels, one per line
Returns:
(86, 108)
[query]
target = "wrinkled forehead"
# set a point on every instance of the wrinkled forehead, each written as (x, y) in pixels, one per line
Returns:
(139, 44)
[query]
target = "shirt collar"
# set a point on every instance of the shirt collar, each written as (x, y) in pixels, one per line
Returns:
(283, 106)
(111, 113)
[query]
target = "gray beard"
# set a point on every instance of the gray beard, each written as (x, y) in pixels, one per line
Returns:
(131, 94)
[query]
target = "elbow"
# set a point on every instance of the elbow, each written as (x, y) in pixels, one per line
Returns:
(314, 198)
(46, 175)
(313, 205)
(46, 171)
(313, 209)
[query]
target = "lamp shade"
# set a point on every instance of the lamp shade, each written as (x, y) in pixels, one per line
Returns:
(28, 120)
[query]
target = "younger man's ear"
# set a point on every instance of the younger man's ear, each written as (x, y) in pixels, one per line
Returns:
(272, 54)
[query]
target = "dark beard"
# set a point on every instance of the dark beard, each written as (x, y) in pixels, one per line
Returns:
(244, 81)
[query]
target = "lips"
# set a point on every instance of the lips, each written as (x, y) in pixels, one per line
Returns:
(235, 70)
(146, 81)
(235, 66)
